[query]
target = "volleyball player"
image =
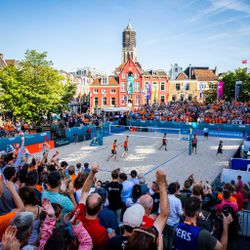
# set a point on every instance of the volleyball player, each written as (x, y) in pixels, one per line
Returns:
(164, 142)
(113, 151)
(125, 147)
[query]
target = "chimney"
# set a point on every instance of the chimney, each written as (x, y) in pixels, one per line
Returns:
(1, 56)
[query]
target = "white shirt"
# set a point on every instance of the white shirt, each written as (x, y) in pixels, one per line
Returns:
(175, 208)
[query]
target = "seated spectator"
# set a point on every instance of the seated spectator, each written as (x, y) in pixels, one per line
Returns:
(54, 182)
(189, 236)
(136, 194)
(147, 202)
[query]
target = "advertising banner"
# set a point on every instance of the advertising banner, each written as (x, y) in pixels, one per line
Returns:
(148, 91)
(201, 90)
(38, 147)
(61, 141)
(130, 85)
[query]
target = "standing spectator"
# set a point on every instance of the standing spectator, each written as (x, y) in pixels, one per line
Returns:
(127, 187)
(239, 185)
(54, 182)
(155, 194)
(147, 202)
(107, 217)
(72, 174)
(226, 201)
(86, 168)
(90, 206)
(238, 197)
(175, 208)
(31, 181)
(114, 189)
(144, 187)
(132, 219)
(189, 236)
(136, 194)
(133, 178)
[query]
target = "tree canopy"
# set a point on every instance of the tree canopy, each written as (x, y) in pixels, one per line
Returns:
(33, 88)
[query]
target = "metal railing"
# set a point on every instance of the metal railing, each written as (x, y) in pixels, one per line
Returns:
(244, 220)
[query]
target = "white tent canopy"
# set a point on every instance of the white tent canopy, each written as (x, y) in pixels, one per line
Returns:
(115, 109)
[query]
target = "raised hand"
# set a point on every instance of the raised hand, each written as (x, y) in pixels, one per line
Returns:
(48, 208)
(73, 220)
(161, 177)
(95, 168)
(8, 237)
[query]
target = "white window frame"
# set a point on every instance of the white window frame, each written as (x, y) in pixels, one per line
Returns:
(164, 85)
(123, 75)
(112, 91)
(96, 91)
(104, 81)
(135, 75)
(103, 101)
(111, 101)
(123, 89)
(137, 87)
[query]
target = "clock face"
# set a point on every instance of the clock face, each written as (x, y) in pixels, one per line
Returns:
(127, 36)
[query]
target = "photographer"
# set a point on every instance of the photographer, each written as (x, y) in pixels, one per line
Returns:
(189, 236)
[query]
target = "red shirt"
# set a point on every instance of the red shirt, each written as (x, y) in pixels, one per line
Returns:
(97, 232)
(147, 222)
(239, 199)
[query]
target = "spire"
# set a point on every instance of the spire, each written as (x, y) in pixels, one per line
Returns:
(129, 27)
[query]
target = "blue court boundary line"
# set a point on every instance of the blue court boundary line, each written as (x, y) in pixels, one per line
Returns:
(165, 162)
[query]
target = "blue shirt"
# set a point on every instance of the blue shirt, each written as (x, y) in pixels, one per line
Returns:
(63, 200)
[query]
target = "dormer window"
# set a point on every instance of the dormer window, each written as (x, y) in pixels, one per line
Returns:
(104, 81)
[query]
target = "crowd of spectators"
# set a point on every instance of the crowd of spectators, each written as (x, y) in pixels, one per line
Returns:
(47, 204)
(223, 112)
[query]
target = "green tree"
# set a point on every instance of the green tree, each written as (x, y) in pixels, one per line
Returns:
(34, 88)
(229, 80)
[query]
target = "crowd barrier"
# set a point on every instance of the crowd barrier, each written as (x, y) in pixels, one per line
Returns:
(221, 130)
(239, 164)
(30, 139)
(230, 174)
(38, 147)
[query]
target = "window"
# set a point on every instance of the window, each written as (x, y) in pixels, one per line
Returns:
(112, 91)
(135, 75)
(113, 101)
(95, 91)
(104, 101)
(162, 86)
(182, 97)
(178, 87)
(187, 86)
(123, 87)
(104, 91)
(137, 100)
(173, 98)
(123, 76)
(137, 87)
(104, 81)
(162, 98)
(96, 101)
(190, 97)
(123, 99)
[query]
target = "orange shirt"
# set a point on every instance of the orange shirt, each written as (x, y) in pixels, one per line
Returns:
(73, 177)
(113, 146)
(39, 188)
(125, 143)
(5, 221)
(220, 197)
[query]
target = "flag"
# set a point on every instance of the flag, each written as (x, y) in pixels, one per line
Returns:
(244, 61)
(220, 90)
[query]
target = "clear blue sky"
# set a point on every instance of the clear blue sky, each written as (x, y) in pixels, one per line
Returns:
(78, 33)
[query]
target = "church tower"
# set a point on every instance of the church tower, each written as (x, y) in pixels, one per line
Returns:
(129, 44)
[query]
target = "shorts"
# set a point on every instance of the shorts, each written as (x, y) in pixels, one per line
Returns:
(164, 143)
(194, 145)
(126, 149)
(113, 152)
(206, 134)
